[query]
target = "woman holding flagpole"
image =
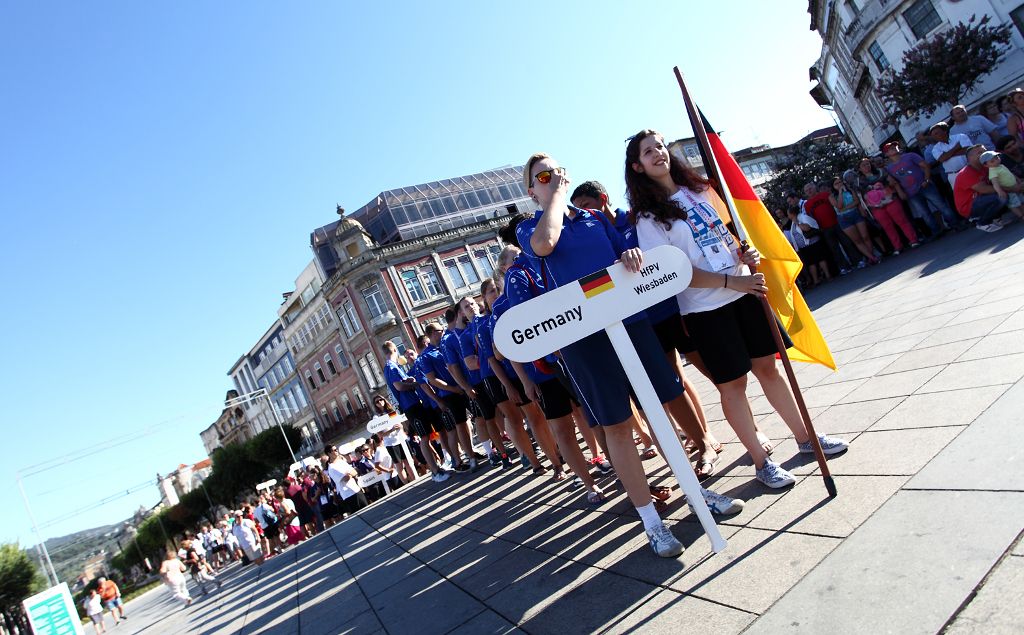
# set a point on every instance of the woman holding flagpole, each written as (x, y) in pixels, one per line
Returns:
(674, 205)
(571, 243)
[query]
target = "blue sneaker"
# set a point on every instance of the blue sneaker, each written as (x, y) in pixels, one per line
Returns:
(663, 542)
(829, 445)
(774, 476)
(720, 504)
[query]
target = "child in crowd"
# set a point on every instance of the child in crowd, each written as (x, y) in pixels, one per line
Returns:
(1003, 180)
(888, 211)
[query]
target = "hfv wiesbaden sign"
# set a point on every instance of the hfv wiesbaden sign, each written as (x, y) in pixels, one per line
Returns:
(601, 301)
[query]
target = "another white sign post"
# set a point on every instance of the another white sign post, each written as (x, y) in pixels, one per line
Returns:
(536, 328)
(53, 612)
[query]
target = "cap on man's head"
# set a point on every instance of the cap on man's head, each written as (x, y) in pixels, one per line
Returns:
(942, 125)
(988, 155)
(892, 145)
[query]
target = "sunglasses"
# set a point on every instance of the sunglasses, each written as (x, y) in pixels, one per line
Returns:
(544, 177)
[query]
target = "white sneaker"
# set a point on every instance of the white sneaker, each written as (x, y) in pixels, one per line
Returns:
(663, 542)
(774, 476)
(720, 504)
(440, 477)
(989, 228)
(829, 445)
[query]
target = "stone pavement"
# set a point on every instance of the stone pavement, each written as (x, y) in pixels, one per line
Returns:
(923, 536)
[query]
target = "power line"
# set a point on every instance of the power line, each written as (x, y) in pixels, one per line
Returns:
(96, 504)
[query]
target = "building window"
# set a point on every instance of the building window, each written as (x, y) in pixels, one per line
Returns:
(309, 378)
(430, 282)
(358, 394)
(349, 322)
(876, 54)
(453, 272)
(371, 370)
(922, 18)
(323, 415)
(1017, 15)
(299, 395)
(413, 286)
(374, 299)
(330, 364)
(483, 262)
(347, 404)
(468, 270)
(320, 372)
(342, 359)
(336, 411)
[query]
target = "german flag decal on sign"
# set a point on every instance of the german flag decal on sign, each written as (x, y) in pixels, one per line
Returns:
(596, 283)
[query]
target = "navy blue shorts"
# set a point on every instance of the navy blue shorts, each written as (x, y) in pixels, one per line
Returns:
(602, 382)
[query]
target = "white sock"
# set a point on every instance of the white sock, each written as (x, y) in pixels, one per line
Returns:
(487, 447)
(649, 516)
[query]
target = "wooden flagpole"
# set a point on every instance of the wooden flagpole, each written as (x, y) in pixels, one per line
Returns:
(711, 166)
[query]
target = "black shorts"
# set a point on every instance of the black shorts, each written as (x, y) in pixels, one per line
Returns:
(495, 390)
(421, 421)
(813, 254)
(395, 451)
(672, 335)
(483, 405)
(730, 336)
(458, 405)
(555, 400)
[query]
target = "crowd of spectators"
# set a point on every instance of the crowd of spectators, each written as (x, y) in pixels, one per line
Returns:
(967, 170)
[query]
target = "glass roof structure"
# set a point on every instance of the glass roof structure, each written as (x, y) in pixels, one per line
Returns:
(418, 210)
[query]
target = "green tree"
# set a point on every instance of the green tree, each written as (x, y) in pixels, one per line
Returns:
(268, 447)
(942, 69)
(19, 579)
(808, 161)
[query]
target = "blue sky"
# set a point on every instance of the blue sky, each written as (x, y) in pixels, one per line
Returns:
(163, 166)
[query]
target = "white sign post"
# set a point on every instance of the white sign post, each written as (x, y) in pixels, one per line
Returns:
(53, 612)
(382, 424)
(536, 328)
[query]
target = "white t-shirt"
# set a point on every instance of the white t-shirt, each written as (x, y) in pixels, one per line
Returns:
(705, 241)
(337, 471)
(977, 129)
(953, 164)
(806, 219)
(172, 572)
(395, 437)
(382, 458)
(245, 534)
(289, 507)
(93, 605)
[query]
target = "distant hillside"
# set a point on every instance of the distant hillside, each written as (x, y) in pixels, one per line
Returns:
(70, 553)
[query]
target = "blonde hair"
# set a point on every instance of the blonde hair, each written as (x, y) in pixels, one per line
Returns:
(536, 156)
(505, 258)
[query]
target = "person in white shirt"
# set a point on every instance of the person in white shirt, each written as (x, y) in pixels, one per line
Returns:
(93, 605)
(346, 483)
(949, 149)
(721, 310)
(382, 461)
(244, 533)
(977, 128)
(803, 234)
(172, 572)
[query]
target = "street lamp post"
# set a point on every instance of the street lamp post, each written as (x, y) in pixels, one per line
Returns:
(262, 394)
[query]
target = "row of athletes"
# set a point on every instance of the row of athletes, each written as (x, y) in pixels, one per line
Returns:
(717, 324)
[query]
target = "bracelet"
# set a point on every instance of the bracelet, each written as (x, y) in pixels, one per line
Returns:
(725, 285)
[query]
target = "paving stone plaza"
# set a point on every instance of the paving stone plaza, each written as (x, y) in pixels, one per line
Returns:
(924, 535)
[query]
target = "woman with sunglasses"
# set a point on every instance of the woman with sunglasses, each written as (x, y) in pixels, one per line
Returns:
(673, 205)
(571, 243)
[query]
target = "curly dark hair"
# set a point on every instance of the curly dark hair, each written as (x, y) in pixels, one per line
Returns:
(507, 234)
(645, 196)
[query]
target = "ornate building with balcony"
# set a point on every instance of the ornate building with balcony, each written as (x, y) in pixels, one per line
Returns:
(862, 40)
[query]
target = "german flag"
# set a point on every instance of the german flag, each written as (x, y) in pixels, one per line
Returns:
(596, 283)
(779, 263)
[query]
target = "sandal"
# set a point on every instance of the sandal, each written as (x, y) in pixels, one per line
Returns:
(637, 441)
(595, 498)
(559, 475)
(539, 469)
(704, 469)
(660, 493)
(649, 453)
(765, 442)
